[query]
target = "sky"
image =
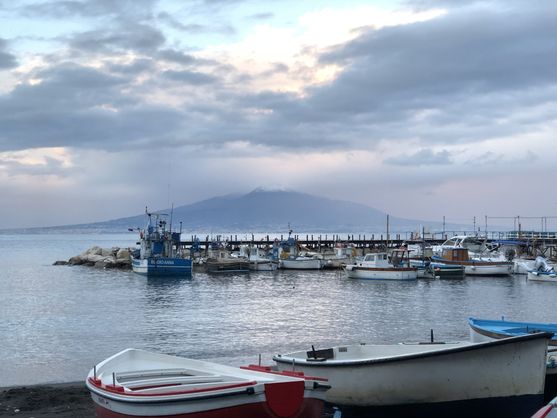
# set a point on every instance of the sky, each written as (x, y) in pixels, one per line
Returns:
(419, 108)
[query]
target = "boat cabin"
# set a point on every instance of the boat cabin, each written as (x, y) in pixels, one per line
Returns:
(396, 258)
(456, 254)
(472, 243)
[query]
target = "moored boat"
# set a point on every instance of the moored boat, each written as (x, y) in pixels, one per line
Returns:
(490, 329)
(542, 271)
(543, 276)
(137, 383)
(381, 266)
(302, 263)
(473, 266)
(493, 329)
(258, 260)
(159, 253)
(430, 270)
(505, 377)
(472, 243)
(444, 271)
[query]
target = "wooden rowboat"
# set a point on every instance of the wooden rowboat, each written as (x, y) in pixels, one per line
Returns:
(137, 383)
(504, 376)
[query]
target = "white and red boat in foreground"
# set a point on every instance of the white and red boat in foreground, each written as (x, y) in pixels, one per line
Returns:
(137, 383)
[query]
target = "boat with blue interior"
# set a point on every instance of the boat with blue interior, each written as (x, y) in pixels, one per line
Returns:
(493, 329)
(159, 253)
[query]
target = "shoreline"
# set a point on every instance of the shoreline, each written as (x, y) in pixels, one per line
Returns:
(51, 400)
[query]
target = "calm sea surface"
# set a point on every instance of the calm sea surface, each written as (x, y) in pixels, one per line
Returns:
(56, 322)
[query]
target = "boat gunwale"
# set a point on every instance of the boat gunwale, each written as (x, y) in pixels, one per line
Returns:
(151, 399)
(356, 267)
(483, 263)
(413, 356)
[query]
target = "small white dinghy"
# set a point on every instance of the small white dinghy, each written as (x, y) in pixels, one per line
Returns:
(489, 376)
(542, 271)
(137, 383)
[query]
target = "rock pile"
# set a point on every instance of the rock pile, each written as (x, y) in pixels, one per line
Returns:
(114, 257)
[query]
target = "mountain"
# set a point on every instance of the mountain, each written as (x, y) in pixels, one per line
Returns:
(270, 211)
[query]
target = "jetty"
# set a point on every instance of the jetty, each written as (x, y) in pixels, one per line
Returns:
(531, 241)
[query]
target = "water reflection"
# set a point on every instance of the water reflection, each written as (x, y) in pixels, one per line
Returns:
(58, 321)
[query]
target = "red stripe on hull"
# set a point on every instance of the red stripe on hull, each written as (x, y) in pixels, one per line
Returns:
(311, 408)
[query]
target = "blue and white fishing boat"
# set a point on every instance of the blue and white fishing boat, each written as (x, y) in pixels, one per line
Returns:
(490, 329)
(159, 253)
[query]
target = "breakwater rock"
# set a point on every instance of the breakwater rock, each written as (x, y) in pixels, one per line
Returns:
(98, 257)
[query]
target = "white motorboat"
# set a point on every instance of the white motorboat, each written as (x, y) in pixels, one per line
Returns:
(474, 244)
(379, 266)
(302, 263)
(258, 261)
(342, 255)
(262, 264)
(542, 276)
(137, 383)
(506, 375)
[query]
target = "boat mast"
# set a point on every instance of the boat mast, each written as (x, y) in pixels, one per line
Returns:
(387, 233)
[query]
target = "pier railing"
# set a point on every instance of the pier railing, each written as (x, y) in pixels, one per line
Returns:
(370, 240)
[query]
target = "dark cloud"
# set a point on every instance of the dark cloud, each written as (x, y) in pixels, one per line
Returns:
(7, 60)
(131, 9)
(125, 36)
(81, 107)
(422, 64)
(179, 57)
(423, 157)
(190, 77)
(462, 68)
(459, 78)
(135, 67)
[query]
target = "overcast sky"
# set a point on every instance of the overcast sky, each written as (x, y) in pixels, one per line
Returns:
(417, 108)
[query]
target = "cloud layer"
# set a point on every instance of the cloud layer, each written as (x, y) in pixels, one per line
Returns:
(468, 91)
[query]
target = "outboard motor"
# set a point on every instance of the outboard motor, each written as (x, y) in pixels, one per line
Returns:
(541, 265)
(510, 254)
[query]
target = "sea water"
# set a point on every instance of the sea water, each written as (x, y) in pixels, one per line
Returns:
(56, 322)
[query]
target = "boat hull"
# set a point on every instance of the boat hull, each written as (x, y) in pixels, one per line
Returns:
(263, 265)
(480, 268)
(542, 276)
(137, 383)
(162, 266)
(370, 273)
(498, 370)
(440, 271)
(309, 264)
(106, 408)
(508, 407)
(227, 266)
